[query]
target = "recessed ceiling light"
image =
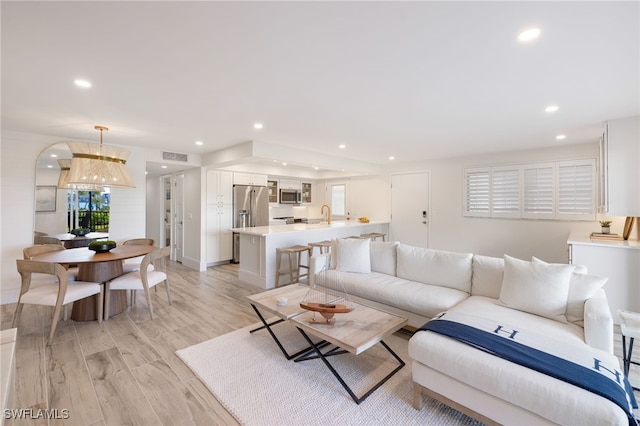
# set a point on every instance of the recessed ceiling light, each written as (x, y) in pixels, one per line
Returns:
(50, 166)
(551, 108)
(54, 155)
(258, 126)
(560, 137)
(163, 167)
(316, 168)
(342, 146)
(82, 83)
(530, 34)
(199, 143)
(284, 164)
(392, 158)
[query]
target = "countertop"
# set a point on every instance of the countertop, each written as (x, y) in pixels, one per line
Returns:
(583, 239)
(300, 227)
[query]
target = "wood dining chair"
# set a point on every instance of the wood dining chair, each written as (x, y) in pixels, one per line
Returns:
(132, 265)
(143, 279)
(59, 294)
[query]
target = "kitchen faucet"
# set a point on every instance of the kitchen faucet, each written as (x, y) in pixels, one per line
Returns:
(329, 211)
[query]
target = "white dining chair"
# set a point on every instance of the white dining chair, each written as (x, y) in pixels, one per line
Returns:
(133, 264)
(58, 294)
(143, 279)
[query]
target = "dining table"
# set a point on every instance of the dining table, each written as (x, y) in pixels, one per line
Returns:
(71, 241)
(97, 267)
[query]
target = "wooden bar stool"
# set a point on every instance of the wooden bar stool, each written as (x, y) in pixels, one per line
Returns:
(292, 271)
(374, 235)
(323, 246)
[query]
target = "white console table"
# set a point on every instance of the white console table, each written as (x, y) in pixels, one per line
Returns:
(617, 260)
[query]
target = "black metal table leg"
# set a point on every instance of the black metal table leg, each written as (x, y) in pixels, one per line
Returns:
(626, 357)
(275, 338)
(334, 351)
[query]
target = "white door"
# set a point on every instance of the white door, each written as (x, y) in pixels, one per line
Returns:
(178, 215)
(410, 208)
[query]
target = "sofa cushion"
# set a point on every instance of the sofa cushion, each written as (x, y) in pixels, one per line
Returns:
(581, 288)
(418, 298)
(352, 255)
(538, 288)
(383, 257)
(487, 276)
(437, 267)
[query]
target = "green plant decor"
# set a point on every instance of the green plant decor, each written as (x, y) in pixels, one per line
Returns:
(605, 223)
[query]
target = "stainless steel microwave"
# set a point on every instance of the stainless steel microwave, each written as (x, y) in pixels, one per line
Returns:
(290, 196)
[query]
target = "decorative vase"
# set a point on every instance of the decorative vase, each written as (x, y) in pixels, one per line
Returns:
(102, 246)
(606, 229)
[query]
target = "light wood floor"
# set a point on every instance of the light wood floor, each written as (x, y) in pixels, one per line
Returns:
(125, 370)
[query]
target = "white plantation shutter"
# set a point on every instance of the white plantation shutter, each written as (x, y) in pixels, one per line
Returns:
(538, 197)
(563, 190)
(477, 192)
(505, 192)
(576, 190)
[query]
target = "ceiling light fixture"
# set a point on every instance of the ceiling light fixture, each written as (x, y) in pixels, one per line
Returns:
(560, 137)
(258, 126)
(342, 146)
(82, 83)
(530, 34)
(103, 165)
(63, 179)
(199, 143)
(392, 158)
(551, 108)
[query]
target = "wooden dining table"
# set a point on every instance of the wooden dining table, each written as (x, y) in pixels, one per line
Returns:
(100, 268)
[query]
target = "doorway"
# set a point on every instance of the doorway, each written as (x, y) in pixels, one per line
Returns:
(171, 230)
(410, 204)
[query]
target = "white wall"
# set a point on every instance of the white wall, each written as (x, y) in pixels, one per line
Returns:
(52, 222)
(154, 208)
(449, 230)
(19, 152)
(193, 253)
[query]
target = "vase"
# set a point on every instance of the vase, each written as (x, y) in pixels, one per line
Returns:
(606, 229)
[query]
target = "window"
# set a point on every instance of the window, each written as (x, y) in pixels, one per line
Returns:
(338, 200)
(555, 190)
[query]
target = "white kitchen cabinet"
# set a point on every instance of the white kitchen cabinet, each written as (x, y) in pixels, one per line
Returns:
(622, 144)
(219, 216)
(290, 184)
(307, 190)
(219, 238)
(241, 178)
(619, 261)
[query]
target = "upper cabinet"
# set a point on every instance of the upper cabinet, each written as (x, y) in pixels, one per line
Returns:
(290, 184)
(621, 167)
(249, 179)
(272, 185)
(219, 187)
(306, 192)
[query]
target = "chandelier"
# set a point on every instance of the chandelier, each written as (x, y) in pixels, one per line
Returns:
(96, 165)
(63, 180)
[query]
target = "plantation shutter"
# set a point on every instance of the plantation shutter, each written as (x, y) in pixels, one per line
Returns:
(505, 192)
(576, 190)
(477, 193)
(538, 197)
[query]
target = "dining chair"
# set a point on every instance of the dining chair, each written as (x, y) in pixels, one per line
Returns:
(132, 265)
(45, 239)
(143, 279)
(59, 294)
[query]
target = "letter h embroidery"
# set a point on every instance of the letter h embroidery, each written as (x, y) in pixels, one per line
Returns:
(598, 366)
(511, 334)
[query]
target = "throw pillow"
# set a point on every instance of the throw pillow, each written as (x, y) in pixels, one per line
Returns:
(487, 276)
(581, 288)
(536, 288)
(383, 257)
(353, 255)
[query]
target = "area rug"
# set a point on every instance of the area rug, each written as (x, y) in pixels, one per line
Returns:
(252, 379)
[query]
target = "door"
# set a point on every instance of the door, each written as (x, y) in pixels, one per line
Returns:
(410, 208)
(178, 215)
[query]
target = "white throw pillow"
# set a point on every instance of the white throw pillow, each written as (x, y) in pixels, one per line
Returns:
(538, 288)
(353, 255)
(435, 267)
(383, 257)
(581, 288)
(487, 276)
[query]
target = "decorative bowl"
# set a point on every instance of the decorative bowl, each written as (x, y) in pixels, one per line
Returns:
(102, 246)
(80, 232)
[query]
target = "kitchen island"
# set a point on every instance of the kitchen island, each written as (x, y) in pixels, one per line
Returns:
(258, 244)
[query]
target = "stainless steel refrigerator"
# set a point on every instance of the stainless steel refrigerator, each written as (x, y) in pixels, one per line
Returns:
(250, 208)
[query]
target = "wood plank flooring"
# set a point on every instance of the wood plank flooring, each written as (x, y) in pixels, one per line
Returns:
(125, 371)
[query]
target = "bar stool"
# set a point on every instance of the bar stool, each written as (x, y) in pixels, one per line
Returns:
(293, 272)
(629, 327)
(323, 246)
(374, 235)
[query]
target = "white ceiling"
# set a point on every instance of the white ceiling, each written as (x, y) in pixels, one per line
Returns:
(416, 80)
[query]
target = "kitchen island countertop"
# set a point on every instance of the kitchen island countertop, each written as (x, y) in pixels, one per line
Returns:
(262, 231)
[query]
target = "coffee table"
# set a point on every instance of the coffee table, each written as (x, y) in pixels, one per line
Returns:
(353, 332)
(268, 301)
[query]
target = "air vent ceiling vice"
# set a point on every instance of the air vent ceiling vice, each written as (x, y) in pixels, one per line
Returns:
(174, 156)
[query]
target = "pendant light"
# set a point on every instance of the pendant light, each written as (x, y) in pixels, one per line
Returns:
(99, 165)
(63, 180)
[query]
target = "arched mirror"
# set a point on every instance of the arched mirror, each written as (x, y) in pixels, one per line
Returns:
(59, 211)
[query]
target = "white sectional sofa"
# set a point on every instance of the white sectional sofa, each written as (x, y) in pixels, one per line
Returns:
(420, 284)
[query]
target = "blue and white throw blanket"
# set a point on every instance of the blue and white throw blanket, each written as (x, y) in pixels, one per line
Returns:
(558, 359)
